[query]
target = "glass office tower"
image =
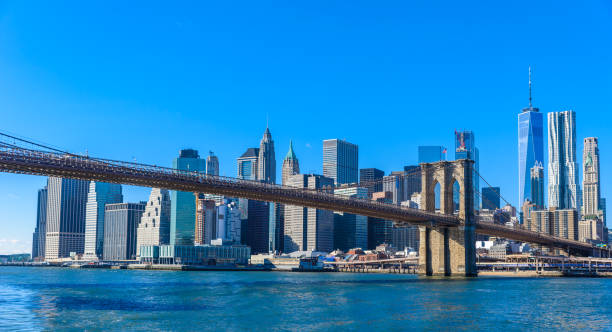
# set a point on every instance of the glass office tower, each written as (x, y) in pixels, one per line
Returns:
(340, 161)
(530, 149)
(182, 216)
(431, 154)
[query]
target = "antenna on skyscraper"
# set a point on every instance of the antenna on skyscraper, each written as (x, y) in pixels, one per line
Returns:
(529, 87)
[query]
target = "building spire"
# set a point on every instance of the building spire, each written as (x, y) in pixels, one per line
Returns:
(530, 87)
(291, 154)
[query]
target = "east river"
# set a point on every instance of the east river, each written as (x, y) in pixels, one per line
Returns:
(56, 299)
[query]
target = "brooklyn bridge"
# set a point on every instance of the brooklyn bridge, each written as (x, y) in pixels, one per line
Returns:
(447, 234)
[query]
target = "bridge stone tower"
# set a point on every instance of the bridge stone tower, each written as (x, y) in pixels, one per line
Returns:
(448, 250)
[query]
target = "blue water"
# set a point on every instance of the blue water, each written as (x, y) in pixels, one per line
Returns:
(70, 299)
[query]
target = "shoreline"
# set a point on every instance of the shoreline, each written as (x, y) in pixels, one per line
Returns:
(204, 268)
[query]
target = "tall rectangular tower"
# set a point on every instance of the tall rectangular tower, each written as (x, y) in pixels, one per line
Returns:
(350, 230)
(340, 161)
(537, 185)
(120, 228)
(66, 200)
(206, 220)
(212, 164)
(40, 232)
(591, 207)
(563, 189)
(183, 211)
(530, 147)
(99, 195)
(307, 228)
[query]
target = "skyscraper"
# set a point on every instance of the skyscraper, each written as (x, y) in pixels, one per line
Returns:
(212, 164)
(591, 207)
(154, 226)
(258, 226)
(379, 230)
(340, 161)
(602, 205)
(405, 237)
(276, 232)
(99, 195)
(182, 217)
(490, 198)
(247, 164)
(564, 224)
(306, 228)
(206, 220)
(350, 230)
(120, 225)
(530, 147)
(537, 185)
(266, 161)
(412, 181)
(394, 184)
(371, 179)
(40, 232)
(229, 223)
(66, 201)
(465, 148)
(563, 189)
(431, 154)
(291, 166)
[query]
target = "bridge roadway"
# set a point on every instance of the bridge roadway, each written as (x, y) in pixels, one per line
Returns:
(25, 161)
(19, 160)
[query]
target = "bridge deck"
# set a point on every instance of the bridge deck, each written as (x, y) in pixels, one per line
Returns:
(24, 161)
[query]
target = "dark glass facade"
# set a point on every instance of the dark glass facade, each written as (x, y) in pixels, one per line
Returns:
(490, 198)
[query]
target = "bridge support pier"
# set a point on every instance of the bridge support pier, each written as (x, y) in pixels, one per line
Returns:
(447, 251)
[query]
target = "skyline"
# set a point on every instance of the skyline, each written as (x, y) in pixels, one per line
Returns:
(154, 120)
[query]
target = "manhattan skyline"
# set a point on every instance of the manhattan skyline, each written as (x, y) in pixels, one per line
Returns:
(127, 109)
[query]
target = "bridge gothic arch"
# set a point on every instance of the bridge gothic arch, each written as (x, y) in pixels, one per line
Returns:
(448, 250)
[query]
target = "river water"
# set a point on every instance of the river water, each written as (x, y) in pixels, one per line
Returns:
(55, 299)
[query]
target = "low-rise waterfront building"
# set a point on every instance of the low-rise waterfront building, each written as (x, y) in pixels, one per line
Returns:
(196, 255)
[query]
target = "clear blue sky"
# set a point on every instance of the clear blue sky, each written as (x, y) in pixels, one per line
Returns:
(142, 82)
